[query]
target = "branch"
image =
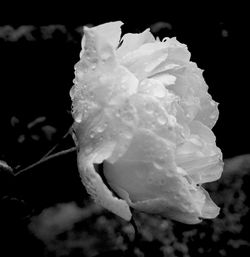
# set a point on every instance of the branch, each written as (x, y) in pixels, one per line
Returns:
(45, 159)
(55, 146)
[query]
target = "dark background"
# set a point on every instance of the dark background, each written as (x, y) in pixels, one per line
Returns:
(37, 69)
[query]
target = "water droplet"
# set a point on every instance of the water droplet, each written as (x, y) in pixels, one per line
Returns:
(88, 149)
(172, 121)
(100, 139)
(161, 120)
(105, 56)
(157, 166)
(78, 118)
(212, 116)
(80, 74)
(92, 134)
(124, 79)
(127, 135)
(101, 128)
(160, 160)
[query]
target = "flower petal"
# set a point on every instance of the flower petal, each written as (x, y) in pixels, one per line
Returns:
(200, 157)
(210, 210)
(161, 207)
(98, 190)
(142, 61)
(109, 32)
(131, 42)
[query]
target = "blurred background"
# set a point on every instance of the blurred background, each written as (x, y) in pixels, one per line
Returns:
(46, 212)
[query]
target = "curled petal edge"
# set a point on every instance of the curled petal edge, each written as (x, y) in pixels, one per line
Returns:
(159, 206)
(99, 191)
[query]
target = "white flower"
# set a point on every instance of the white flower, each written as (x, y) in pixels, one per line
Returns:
(141, 108)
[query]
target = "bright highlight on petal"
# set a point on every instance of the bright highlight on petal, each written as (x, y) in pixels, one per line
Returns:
(142, 109)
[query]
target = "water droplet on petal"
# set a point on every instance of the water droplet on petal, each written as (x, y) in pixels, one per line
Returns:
(92, 134)
(160, 160)
(88, 150)
(161, 120)
(101, 128)
(157, 166)
(212, 116)
(78, 118)
(105, 56)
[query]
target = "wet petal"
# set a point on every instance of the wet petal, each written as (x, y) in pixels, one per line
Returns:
(109, 32)
(199, 156)
(99, 191)
(142, 61)
(131, 42)
(161, 207)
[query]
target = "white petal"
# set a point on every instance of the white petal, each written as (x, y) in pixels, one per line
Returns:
(209, 210)
(110, 32)
(99, 191)
(143, 61)
(166, 78)
(161, 207)
(200, 158)
(131, 42)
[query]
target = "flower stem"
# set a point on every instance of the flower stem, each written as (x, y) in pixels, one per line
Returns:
(130, 252)
(55, 146)
(136, 236)
(45, 159)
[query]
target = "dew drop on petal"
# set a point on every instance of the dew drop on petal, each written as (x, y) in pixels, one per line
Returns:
(161, 120)
(92, 134)
(78, 118)
(212, 116)
(88, 149)
(157, 166)
(101, 128)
